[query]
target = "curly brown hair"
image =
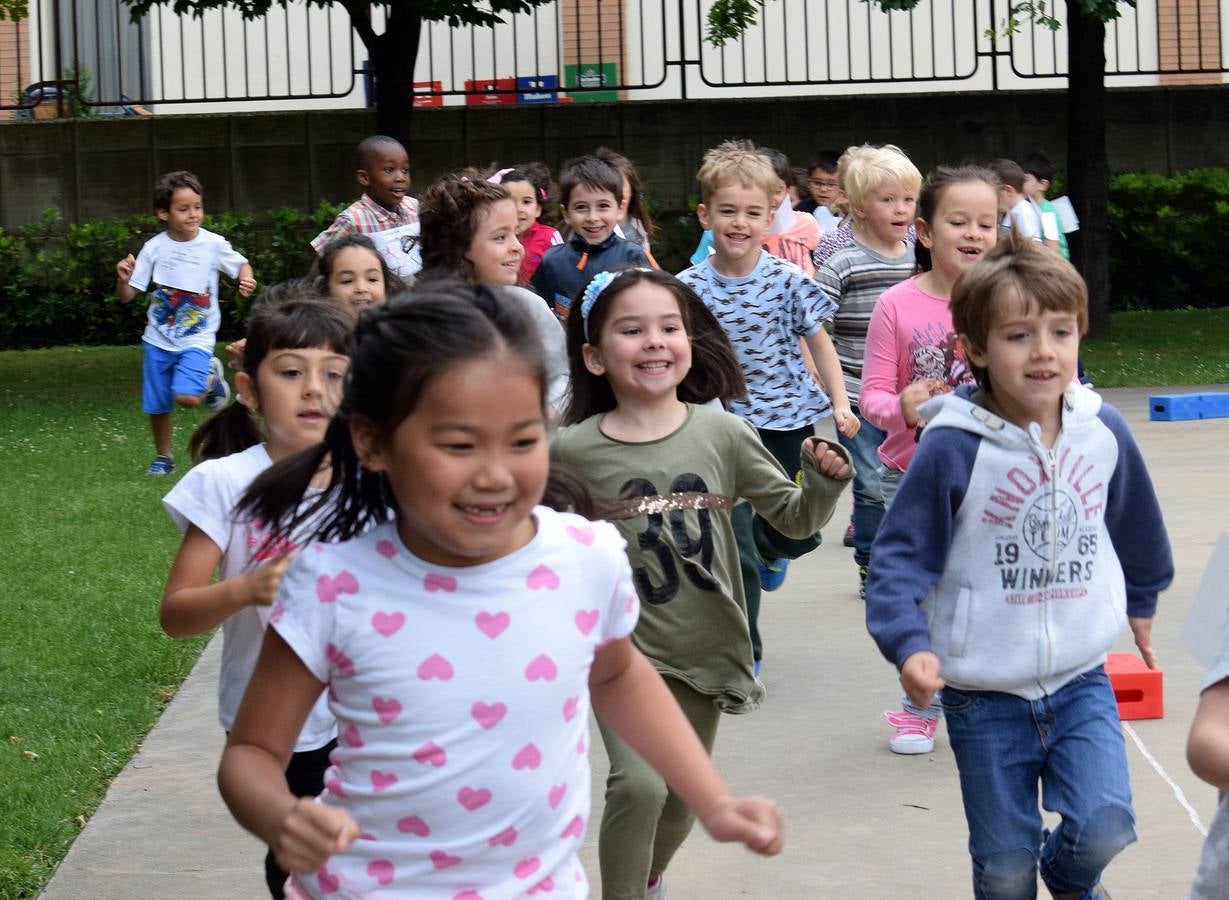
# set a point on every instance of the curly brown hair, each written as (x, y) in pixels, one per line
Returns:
(448, 217)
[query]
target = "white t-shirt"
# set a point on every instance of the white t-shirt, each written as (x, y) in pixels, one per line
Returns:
(1025, 219)
(206, 497)
(462, 703)
(182, 280)
(554, 343)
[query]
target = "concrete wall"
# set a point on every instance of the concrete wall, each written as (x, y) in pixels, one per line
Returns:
(92, 168)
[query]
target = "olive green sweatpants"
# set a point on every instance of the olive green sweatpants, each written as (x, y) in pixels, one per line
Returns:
(644, 823)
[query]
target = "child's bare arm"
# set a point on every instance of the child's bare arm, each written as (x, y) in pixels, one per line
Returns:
(633, 700)
(833, 379)
(192, 605)
(1207, 746)
(123, 272)
(247, 281)
(303, 834)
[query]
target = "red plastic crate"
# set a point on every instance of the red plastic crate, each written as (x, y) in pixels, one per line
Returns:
(1139, 690)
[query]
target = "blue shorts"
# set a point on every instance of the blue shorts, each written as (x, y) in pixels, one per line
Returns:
(166, 374)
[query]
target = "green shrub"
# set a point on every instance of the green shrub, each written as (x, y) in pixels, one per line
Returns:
(57, 279)
(1166, 238)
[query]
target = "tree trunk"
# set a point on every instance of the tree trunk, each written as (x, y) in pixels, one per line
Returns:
(1087, 161)
(392, 56)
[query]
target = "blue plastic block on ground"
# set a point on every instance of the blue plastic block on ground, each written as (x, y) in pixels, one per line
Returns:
(1174, 407)
(1214, 405)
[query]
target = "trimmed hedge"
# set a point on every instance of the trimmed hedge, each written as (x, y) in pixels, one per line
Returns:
(1167, 237)
(57, 279)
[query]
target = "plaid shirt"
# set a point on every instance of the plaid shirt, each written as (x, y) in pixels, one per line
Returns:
(365, 216)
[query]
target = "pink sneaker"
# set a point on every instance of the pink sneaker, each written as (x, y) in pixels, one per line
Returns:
(656, 889)
(914, 733)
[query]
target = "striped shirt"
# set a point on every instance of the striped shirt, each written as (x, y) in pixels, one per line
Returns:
(854, 279)
(365, 216)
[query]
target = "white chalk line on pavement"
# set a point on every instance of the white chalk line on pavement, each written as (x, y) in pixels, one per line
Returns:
(1181, 797)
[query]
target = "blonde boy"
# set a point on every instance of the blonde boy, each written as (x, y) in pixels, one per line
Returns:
(766, 305)
(882, 186)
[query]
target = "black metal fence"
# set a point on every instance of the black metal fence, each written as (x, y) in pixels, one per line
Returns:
(87, 56)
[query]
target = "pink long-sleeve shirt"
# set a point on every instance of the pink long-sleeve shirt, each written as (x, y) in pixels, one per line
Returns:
(910, 339)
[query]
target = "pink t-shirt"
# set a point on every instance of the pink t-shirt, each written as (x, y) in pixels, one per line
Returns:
(910, 339)
(536, 240)
(462, 703)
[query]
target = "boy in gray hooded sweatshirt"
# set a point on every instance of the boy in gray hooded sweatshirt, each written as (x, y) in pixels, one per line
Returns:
(1024, 536)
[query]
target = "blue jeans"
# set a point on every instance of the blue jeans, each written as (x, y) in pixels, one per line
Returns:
(1071, 742)
(863, 449)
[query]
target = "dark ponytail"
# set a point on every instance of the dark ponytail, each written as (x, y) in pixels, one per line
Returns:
(400, 348)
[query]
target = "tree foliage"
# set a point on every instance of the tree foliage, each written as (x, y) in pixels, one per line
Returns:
(728, 19)
(454, 12)
(13, 10)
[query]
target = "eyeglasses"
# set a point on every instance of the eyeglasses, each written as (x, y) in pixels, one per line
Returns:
(821, 183)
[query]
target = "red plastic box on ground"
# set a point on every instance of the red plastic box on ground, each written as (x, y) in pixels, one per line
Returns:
(1139, 690)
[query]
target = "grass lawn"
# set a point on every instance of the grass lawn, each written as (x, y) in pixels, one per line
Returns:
(85, 669)
(1186, 346)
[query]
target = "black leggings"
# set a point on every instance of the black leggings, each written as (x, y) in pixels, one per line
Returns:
(305, 777)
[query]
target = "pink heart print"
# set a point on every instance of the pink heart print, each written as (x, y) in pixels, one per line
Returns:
(542, 577)
(467, 895)
(353, 738)
(333, 786)
(528, 757)
(580, 746)
(328, 589)
(541, 667)
(473, 798)
(435, 666)
(575, 828)
(413, 825)
(569, 708)
(435, 582)
(382, 781)
(388, 709)
(547, 884)
(492, 624)
(488, 716)
(430, 754)
(329, 883)
(442, 860)
(279, 610)
(381, 870)
(556, 795)
(507, 837)
(386, 548)
(344, 666)
(387, 624)
(586, 619)
(582, 533)
(526, 867)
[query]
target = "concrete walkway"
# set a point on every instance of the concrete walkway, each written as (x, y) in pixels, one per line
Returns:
(861, 823)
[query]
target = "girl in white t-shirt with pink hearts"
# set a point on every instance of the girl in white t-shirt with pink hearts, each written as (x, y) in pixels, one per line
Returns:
(298, 348)
(460, 629)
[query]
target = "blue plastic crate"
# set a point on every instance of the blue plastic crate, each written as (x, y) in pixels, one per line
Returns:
(1214, 405)
(1175, 407)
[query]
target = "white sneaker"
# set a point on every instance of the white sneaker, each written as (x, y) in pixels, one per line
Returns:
(914, 734)
(218, 394)
(656, 890)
